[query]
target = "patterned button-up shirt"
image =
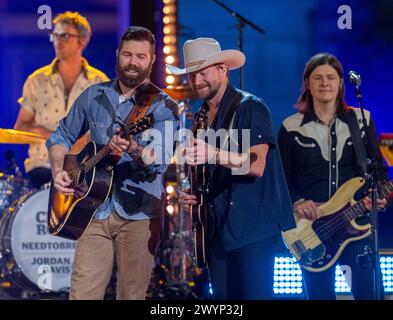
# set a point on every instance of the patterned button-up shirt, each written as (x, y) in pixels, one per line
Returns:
(44, 95)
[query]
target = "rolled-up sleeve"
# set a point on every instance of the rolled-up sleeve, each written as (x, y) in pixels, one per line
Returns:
(28, 97)
(255, 116)
(73, 126)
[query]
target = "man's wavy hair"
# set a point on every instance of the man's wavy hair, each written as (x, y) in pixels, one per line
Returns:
(77, 21)
(138, 33)
(305, 101)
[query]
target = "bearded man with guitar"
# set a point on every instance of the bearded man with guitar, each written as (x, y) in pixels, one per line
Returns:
(239, 199)
(321, 147)
(121, 184)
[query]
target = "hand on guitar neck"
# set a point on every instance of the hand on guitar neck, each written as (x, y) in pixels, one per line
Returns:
(381, 203)
(119, 145)
(187, 200)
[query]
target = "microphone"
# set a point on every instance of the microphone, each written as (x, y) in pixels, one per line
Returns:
(354, 78)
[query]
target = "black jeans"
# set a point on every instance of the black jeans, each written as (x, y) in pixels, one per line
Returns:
(242, 274)
(321, 285)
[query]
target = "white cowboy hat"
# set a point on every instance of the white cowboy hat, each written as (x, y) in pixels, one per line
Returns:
(203, 52)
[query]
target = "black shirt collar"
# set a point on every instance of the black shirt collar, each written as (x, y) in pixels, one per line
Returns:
(226, 100)
(310, 115)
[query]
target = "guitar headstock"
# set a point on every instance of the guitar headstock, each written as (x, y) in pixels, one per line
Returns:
(200, 118)
(141, 125)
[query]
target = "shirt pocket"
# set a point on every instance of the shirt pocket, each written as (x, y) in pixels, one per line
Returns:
(305, 144)
(98, 132)
(98, 125)
(308, 153)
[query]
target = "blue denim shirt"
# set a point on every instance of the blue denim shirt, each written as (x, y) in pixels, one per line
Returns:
(132, 196)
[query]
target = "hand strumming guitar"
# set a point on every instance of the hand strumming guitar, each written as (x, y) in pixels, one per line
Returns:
(62, 183)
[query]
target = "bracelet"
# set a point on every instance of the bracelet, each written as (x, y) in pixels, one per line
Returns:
(135, 153)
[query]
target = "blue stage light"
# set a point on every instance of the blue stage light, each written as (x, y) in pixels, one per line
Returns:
(288, 277)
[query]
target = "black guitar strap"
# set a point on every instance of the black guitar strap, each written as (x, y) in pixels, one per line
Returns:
(230, 113)
(360, 151)
(226, 122)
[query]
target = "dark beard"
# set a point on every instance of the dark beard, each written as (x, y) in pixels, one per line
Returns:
(211, 93)
(132, 82)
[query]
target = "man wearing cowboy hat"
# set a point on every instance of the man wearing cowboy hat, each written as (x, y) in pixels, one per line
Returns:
(248, 211)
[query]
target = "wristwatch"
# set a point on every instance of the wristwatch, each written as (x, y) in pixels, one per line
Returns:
(134, 153)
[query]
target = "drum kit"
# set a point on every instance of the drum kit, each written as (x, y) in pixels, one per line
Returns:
(33, 263)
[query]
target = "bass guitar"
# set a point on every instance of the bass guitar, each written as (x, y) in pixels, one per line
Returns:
(318, 244)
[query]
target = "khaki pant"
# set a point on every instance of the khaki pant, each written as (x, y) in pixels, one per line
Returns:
(132, 244)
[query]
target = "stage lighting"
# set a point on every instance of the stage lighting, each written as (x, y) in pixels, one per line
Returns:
(170, 34)
(169, 59)
(169, 49)
(170, 209)
(170, 39)
(170, 189)
(288, 278)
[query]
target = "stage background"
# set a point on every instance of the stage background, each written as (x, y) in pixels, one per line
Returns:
(295, 30)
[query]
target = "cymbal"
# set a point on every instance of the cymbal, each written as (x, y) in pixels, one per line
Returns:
(19, 137)
(180, 92)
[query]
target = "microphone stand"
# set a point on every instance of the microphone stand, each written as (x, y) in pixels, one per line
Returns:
(372, 176)
(181, 176)
(178, 287)
(241, 23)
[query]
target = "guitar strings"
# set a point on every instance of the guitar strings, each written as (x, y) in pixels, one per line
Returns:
(333, 226)
(348, 210)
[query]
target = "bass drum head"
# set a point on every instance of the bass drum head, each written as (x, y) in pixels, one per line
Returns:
(42, 262)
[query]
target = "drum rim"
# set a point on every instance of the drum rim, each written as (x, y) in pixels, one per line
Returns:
(21, 279)
(14, 183)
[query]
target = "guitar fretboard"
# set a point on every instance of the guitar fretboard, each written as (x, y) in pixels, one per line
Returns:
(359, 209)
(200, 120)
(132, 129)
(97, 158)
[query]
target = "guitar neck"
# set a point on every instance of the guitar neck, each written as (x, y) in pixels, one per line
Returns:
(126, 133)
(358, 209)
(92, 162)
